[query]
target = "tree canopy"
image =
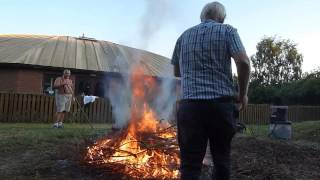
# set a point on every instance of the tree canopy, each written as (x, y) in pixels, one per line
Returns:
(276, 61)
(277, 75)
(305, 91)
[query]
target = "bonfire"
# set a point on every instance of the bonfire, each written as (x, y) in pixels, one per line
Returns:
(146, 148)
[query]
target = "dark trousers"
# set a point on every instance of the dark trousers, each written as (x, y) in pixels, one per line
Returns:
(198, 122)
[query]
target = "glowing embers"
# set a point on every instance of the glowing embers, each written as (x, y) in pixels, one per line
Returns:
(146, 148)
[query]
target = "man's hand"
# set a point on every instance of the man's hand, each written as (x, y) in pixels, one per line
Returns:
(243, 68)
(242, 102)
(66, 83)
(63, 83)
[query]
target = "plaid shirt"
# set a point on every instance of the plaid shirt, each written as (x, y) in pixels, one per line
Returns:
(204, 56)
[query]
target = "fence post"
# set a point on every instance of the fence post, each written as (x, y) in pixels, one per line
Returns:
(19, 107)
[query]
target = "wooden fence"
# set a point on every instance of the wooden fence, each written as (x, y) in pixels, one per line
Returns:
(260, 113)
(41, 108)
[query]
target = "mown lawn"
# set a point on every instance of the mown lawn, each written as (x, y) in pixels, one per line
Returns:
(36, 151)
(308, 131)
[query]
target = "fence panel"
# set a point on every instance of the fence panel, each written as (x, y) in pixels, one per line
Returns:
(1, 107)
(6, 107)
(255, 114)
(16, 107)
(19, 107)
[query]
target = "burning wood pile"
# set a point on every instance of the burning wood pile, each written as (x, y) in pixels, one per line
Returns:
(146, 148)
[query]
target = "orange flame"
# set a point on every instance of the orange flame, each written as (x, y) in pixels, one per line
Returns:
(148, 148)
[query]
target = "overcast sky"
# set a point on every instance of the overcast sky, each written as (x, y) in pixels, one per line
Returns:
(155, 25)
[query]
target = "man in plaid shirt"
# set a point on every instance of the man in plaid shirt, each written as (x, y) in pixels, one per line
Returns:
(209, 102)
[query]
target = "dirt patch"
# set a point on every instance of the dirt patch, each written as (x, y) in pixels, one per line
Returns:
(256, 159)
(265, 159)
(252, 159)
(260, 159)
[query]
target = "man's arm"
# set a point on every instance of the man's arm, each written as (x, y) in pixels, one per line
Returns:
(175, 58)
(69, 85)
(241, 59)
(176, 70)
(57, 83)
(243, 68)
(72, 88)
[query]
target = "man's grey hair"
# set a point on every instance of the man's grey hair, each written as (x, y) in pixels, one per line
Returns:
(66, 71)
(214, 11)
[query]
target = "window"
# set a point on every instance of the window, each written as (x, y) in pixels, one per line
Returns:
(100, 89)
(84, 87)
(47, 85)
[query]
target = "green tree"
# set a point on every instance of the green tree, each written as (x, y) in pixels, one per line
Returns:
(304, 92)
(313, 74)
(276, 61)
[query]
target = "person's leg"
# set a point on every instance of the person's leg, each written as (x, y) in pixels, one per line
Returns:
(57, 119)
(59, 114)
(67, 107)
(220, 136)
(192, 140)
(60, 123)
(59, 108)
(62, 117)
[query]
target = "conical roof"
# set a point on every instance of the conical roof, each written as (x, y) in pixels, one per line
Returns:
(80, 53)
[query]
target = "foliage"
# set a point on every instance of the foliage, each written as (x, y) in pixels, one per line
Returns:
(276, 62)
(304, 92)
(277, 77)
(261, 94)
(313, 74)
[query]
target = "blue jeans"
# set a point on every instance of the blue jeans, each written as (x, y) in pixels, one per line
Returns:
(198, 122)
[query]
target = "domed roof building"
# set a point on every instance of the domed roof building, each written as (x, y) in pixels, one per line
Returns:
(30, 63)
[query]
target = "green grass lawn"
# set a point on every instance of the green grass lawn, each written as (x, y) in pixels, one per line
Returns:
(302, 131)
(36, 151)
(19, 137)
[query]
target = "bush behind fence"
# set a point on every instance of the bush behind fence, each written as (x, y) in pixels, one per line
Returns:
(16, 107)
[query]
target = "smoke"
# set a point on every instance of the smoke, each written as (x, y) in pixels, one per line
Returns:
(162, 99)
(120, 92)
(166, 99)
(153, 19)
(119, 96)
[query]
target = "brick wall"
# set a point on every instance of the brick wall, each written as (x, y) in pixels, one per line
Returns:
(21, 80)
(24, 80)
(29, 81)
(8, 78)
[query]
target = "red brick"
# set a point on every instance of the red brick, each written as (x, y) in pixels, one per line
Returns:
(29, 81)
(8, 80)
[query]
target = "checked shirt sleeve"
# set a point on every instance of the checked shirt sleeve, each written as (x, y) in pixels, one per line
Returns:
(176, 52)
(234, 42)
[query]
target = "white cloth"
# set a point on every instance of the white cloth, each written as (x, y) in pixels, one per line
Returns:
(89, 99)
